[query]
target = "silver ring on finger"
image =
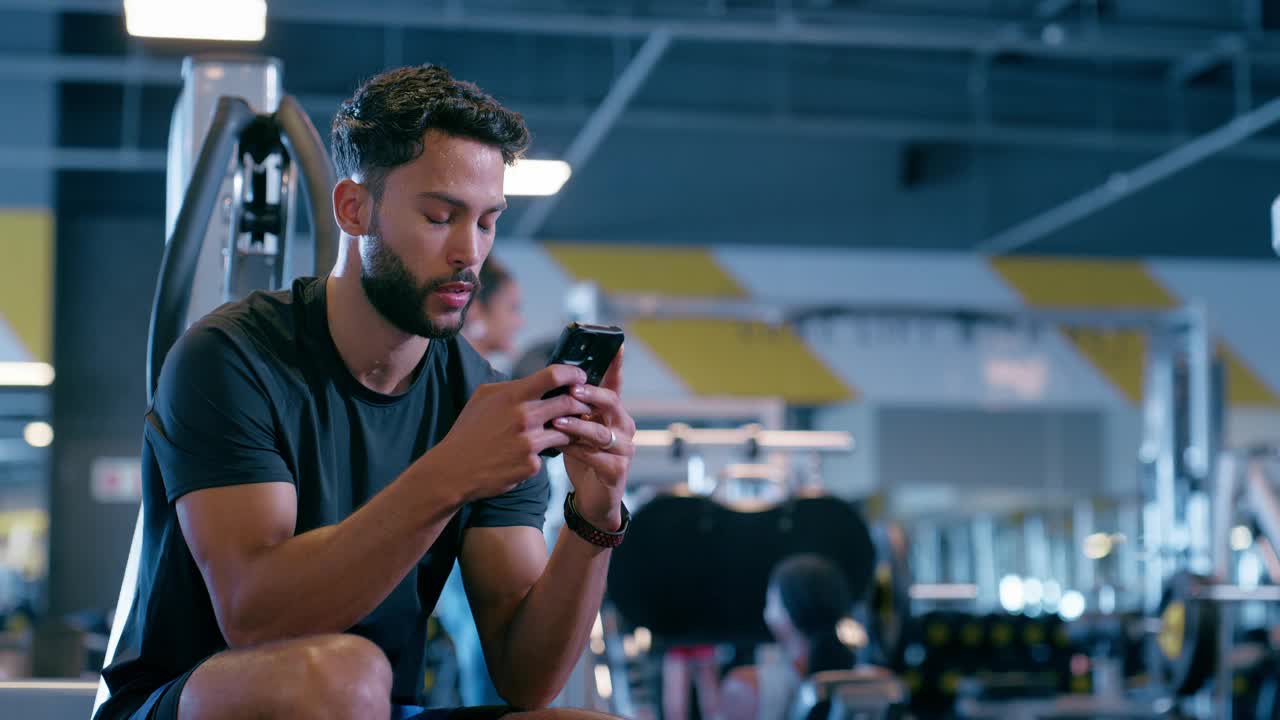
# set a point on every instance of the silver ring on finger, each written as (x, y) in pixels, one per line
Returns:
(613, 439)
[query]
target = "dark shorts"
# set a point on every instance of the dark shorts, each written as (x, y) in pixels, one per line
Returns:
(162, 704)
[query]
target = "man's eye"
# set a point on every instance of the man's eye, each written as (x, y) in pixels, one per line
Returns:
(434, 221)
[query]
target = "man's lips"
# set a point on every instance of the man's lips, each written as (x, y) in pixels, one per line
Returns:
(454, 295)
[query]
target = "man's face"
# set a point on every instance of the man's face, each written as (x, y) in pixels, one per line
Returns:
(430, 233)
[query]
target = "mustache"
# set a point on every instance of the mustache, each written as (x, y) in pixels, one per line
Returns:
(466, 276)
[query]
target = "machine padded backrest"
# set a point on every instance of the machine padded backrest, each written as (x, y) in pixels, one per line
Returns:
(695, 571)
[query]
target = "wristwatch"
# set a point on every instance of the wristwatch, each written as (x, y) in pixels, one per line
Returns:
(592, 534)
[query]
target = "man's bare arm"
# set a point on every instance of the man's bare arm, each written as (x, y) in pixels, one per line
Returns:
(534, 614)
(267, 584)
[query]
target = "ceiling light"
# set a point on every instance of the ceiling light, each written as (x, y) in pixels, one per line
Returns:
(34, 374)
(537, 177)
(242, 20)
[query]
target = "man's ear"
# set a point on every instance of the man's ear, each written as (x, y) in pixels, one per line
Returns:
(352, 207)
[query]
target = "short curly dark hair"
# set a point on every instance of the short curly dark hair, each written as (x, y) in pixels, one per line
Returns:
(382, 125)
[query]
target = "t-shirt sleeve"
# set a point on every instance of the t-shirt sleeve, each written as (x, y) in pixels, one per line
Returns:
(211, 423)
(525, 504)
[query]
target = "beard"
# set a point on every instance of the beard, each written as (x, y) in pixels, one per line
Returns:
(401, 299)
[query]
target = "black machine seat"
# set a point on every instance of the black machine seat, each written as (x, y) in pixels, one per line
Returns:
(695, 571)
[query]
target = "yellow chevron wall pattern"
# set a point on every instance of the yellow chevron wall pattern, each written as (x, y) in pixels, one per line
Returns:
(26, 285)
(1076, 369)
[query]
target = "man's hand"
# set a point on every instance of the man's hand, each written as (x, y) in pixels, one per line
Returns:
(497, 437)
(599, 457)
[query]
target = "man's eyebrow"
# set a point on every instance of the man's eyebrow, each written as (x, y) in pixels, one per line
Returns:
(459, 203)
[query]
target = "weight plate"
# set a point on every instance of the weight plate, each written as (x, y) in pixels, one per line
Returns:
(1187, 638)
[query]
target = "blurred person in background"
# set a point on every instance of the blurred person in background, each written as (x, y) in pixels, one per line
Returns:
(496, 315)
(806, 598)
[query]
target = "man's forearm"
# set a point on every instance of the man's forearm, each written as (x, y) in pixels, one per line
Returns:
(551, 627)
(328, 579)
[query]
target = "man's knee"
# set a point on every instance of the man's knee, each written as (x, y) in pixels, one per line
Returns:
(322, 676)
(345, 671)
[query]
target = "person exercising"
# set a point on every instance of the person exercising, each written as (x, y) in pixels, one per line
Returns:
(316, 459)
(806, 597)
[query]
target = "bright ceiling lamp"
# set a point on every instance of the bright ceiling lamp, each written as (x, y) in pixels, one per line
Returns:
(537, 177)
(25, 374)
(244, 20)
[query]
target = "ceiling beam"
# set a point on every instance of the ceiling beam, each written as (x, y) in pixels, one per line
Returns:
(1122, 185)
(841, 128)
(821, 28)
(602, 120)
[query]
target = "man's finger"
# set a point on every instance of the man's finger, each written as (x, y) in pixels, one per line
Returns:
(543, 411)
(549, 438)
(594, 436)
(590, 433)
(613, 378)
(550, 378)
(603, 399)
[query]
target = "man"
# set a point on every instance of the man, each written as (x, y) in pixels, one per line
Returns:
(315, 459)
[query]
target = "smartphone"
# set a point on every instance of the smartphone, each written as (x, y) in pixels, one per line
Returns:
(586, 346)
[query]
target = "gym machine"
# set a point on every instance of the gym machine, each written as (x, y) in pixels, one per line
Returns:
(232, 216)
(741, 483)
(239, 149)
(1182, 420)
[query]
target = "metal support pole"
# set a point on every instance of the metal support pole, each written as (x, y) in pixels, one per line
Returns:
(1121, 185)
(1200, 409)
(600, 123)
(1128, 555)
(984, 555)
(1225, 488)
(959, 550)
(1082, 526)
(1159, 445)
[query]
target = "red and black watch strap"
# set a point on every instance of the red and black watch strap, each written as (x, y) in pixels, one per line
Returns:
(592, 534)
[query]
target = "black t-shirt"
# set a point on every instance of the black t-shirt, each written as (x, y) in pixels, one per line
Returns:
(256, 392)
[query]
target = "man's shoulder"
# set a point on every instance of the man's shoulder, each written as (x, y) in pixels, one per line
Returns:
(273, 318)
(261, 335)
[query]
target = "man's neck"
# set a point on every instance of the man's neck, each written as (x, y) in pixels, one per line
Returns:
(379, 355)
